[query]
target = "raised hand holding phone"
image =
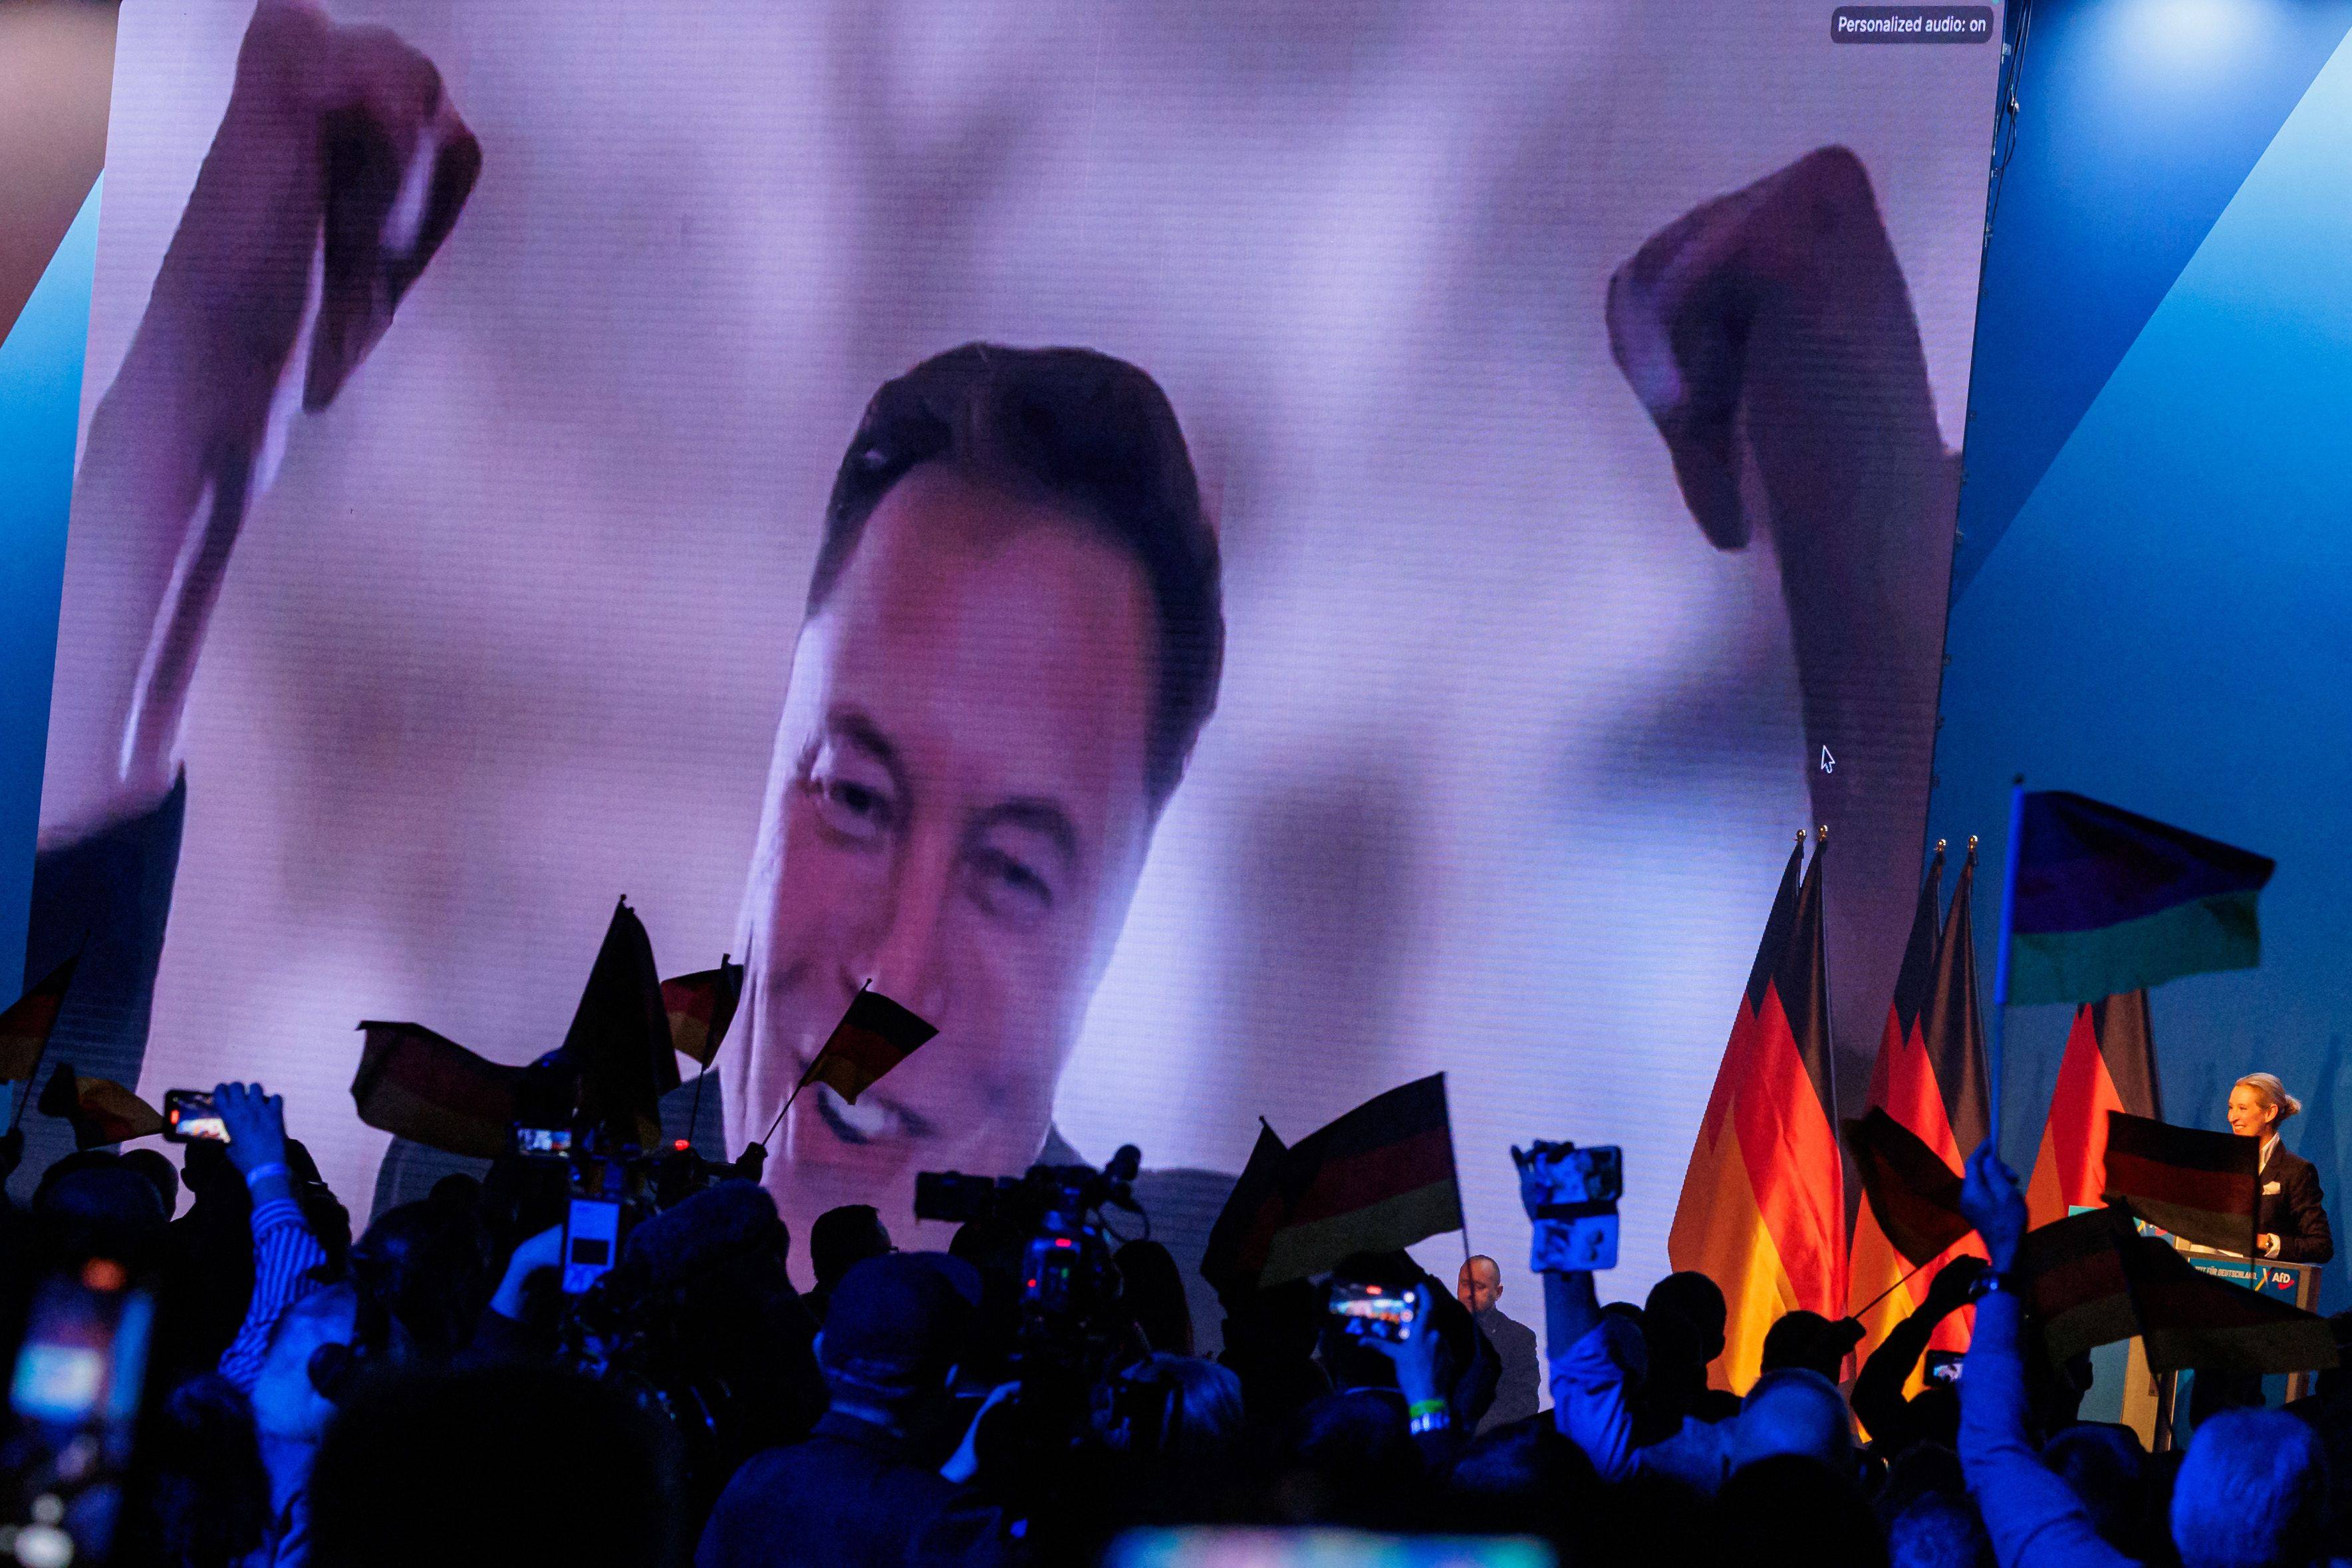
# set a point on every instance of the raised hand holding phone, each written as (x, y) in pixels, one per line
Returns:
(1413, 1349)
(256, 1121)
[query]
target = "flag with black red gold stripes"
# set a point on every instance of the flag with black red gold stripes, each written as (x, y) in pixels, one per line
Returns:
(1762, 1209)
(874, 1036)
(1378, 1179)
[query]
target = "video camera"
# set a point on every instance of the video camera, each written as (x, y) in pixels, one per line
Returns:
(1068, 1280)
(1071, 1332)
(613, 1181)
(616, 1323)
(1571, 1195)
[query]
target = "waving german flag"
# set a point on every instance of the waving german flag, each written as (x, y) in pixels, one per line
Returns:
(1380, 1178)
(874, 1036)
(620, 1035)
(429, 1088)
(2109, 901)
(2204, 1188)
(700, 1007)
(1763, 1204)
(24, 1026)
(2109, 1065)
(1902, 1087)
(100, 1110)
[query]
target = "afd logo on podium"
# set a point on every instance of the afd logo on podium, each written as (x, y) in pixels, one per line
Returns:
(1912, 25)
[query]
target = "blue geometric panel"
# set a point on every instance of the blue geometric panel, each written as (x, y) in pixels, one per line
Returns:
(2140, 117)
(40, 388)
(2167, 624)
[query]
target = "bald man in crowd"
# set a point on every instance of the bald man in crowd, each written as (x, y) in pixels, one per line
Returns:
(1480, 1287)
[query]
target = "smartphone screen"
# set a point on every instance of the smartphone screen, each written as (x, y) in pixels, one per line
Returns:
(189, 1117)
(547, 1140)
(1372, 1309)
(85, 1353)
(75, 1391)
(1215, 1546)
(592, 1242)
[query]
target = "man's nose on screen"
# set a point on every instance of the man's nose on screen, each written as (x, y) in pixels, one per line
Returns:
(905, 949)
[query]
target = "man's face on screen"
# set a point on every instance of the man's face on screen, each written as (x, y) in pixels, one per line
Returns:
(956, 811)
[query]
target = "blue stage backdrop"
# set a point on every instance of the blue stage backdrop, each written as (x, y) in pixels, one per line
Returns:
(2151, 599)
(40, 388)
(59, 59)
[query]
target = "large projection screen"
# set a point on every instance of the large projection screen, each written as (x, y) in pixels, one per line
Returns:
(1569, 388)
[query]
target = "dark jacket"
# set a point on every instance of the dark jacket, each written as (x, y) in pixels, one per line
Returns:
(1515, 1393)
(2293, 1209)
(846, 1494)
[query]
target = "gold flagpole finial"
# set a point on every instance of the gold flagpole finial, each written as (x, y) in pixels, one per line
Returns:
(1804, 834)
(1822, 833)
(1972, 843)
(1940, 847)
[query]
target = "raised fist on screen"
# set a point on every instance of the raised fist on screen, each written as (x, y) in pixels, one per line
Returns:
(1769, 335)
(339, 158)
(338, 169)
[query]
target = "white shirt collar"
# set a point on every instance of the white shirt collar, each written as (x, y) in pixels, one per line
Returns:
(2269, 1143)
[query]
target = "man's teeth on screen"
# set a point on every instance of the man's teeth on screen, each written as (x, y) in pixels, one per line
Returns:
(862, 1123)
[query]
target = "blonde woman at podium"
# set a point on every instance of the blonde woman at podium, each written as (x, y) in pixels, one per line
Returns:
(2291, 1224)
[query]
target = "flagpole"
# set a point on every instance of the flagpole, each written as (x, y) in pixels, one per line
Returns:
(32, 1080)
(779, 1121)
(1864, 1311)
(1844, 1279)
(40, 1052)
(1997, 1063)
(810, 1073)
(694, 1117)
(1457, 1173)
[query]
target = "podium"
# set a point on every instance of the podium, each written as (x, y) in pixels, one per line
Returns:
(2149, 1400)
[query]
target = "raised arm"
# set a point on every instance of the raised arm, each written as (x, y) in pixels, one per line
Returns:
(1587, 1353)
(284, 1251)
(1769, 334)
(1428, 1409)
(338, 167)
(1592, 1357)
(2033, 1517)
(1878, 1398)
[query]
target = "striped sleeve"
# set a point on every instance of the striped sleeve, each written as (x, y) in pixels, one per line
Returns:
(284, 1253)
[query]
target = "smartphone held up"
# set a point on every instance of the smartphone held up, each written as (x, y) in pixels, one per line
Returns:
(1373, 1311)
(191, 1117)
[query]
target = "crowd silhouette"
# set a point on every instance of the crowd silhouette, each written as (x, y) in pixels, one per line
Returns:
(429, 1391)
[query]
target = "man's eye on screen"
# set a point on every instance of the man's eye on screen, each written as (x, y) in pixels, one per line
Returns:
(1009, 888)
(856, 810)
